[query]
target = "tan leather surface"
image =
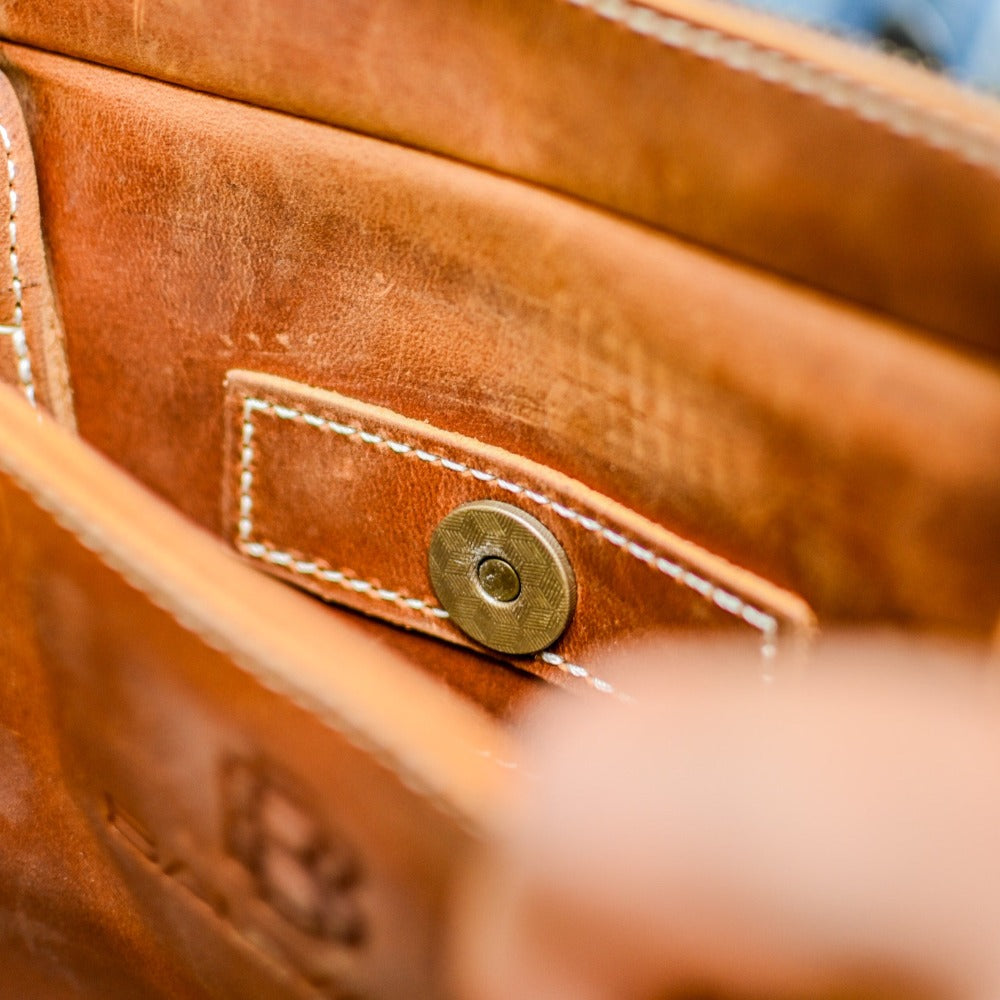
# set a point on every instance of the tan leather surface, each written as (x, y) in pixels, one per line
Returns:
(316, 484)
(843, 169)
(215, 786)
(195, 796)
(837, 455)
(500, 689)
(32, 351)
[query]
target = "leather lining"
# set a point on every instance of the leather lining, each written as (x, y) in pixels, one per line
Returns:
(753, 417)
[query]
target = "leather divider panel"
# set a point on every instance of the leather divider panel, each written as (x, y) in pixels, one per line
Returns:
(835, 166)
(341, 498)
(283, 802)
(32, 354)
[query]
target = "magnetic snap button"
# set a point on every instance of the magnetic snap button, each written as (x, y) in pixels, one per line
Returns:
(502, 577)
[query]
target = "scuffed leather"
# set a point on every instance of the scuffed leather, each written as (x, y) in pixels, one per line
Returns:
(843, 169)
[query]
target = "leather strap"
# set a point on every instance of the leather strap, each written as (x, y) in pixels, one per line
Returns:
(32, 351)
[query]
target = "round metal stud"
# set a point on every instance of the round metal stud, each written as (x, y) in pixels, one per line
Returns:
(498, 579)
(502, 577)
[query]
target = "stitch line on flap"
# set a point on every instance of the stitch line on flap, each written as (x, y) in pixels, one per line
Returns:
(278, 557)
(726, 601)
(723, 599)
(316, 568)
(15, 330)
(834, 89)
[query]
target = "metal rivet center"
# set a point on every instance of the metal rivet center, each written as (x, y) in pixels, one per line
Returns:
(498, 579)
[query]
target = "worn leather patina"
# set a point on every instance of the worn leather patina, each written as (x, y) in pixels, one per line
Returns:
(720, 287)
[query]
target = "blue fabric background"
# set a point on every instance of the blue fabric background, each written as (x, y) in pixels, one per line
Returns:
(963, 36)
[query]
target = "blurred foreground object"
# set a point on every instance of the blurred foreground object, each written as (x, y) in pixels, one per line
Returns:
(831, 834)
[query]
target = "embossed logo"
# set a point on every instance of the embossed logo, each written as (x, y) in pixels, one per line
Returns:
(305, 872)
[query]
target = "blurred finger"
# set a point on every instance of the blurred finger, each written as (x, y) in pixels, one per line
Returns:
(838, 830)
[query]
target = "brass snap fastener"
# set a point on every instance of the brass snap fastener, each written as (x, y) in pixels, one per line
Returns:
(502, 577)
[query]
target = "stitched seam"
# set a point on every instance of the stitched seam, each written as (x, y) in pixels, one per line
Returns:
(836, 90)
(173, 600)
(16, 330)
(349, 581)
(726, 601)
(279, 557)
(305, 567)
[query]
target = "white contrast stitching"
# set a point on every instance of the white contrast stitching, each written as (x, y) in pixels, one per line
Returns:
(728, 602)
(15, 330)
(899, 116)
(766, 624)
(581, 673)
(278, 557)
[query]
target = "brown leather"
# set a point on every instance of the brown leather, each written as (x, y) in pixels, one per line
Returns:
(32, 350)
(249, 793)
(316, 484)
(32, 358)
(846, 170)
(503, 691)
(223, 802)
(832, 453)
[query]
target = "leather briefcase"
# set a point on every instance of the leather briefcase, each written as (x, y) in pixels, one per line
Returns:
(503, 335)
